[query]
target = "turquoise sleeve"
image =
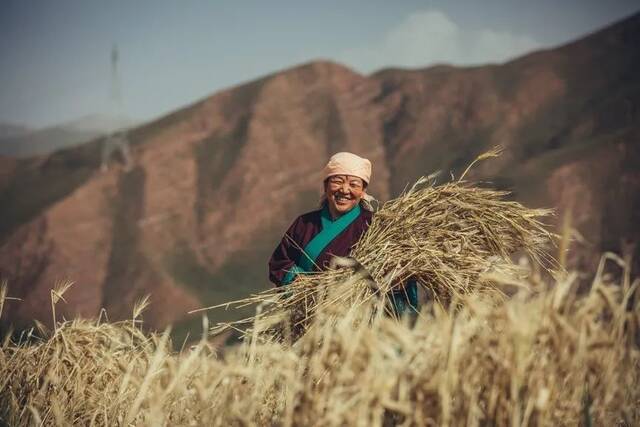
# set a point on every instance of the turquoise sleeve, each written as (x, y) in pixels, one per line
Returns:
(291, 274)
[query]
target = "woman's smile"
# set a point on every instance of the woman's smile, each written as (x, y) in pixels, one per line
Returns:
(342, 198)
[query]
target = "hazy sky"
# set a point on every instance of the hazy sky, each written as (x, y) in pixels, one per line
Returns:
(55, 54)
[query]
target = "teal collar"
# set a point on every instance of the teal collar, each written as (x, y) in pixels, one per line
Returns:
(327, 221)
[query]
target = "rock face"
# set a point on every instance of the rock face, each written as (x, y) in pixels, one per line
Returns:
(214, 185)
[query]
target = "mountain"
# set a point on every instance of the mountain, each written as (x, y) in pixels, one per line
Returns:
(23, 142)
(213, 186)
(11, 129)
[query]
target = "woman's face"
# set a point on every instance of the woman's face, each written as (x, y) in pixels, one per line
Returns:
(343, 193)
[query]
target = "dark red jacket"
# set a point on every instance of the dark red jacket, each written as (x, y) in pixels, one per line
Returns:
(303, 229)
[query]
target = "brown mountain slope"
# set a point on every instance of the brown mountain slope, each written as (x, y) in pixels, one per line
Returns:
(568, 118)
(214, 185)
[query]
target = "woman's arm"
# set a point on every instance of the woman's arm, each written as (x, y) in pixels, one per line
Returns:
(284, 257)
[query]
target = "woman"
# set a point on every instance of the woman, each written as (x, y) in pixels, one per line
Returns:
(344, 216)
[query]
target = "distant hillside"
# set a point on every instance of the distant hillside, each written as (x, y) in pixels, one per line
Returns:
(214, 185)
(23, 142)
(10, 129)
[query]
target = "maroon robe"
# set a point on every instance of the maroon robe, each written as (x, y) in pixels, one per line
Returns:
(305, 228)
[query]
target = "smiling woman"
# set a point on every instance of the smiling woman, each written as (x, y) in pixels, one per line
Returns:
(344, 216)
(317, 236)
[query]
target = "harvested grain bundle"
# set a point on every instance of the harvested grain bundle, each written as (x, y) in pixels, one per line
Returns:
(447, 236)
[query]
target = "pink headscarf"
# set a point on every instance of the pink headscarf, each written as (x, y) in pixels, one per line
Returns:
(348, 164)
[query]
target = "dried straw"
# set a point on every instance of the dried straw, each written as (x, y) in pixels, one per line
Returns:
(549, 358)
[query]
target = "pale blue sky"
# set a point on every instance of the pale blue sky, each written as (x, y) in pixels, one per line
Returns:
(55, 54)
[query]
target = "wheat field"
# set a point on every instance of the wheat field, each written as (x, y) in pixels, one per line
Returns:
(546, 357)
